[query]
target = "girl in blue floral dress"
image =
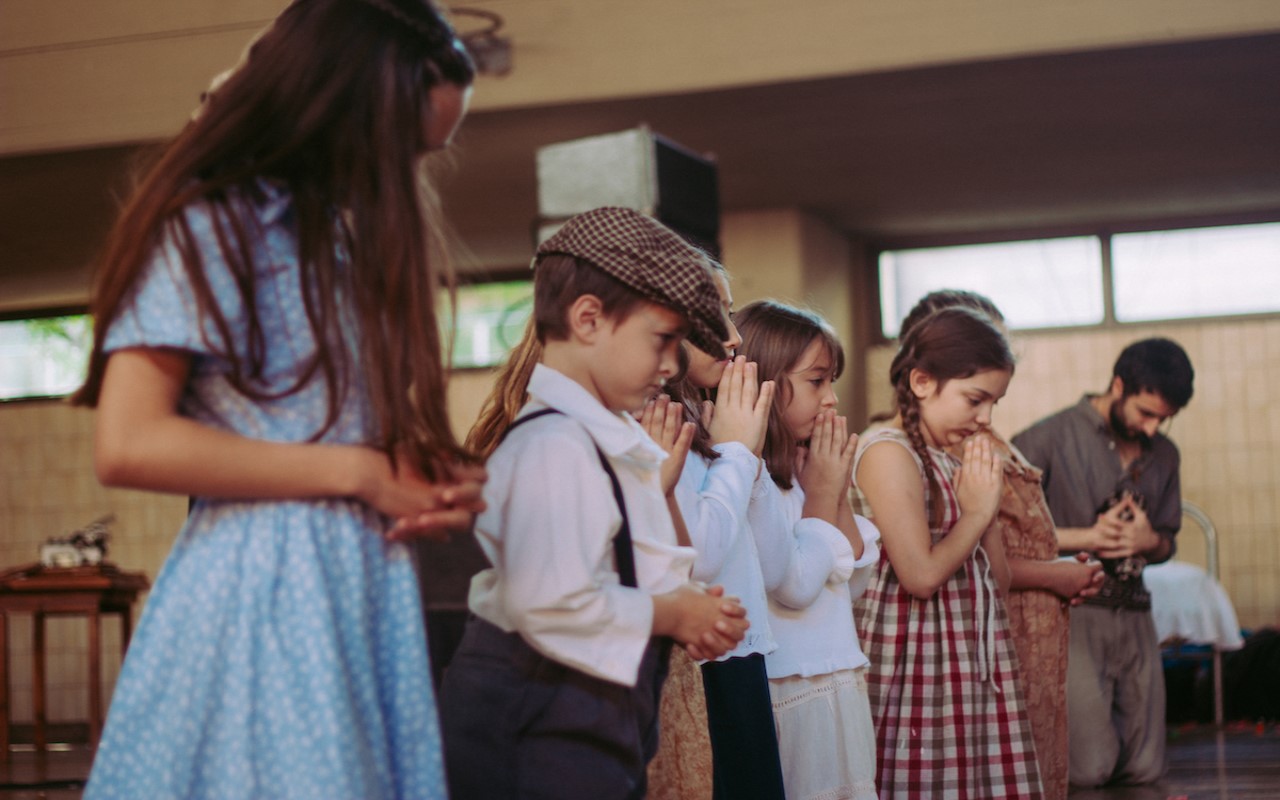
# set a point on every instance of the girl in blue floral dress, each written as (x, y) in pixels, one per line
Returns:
(266, 342)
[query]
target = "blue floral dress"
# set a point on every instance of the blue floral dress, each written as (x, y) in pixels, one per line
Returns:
(281, 653)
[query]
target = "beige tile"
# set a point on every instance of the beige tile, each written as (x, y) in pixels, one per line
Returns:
(1255, 349)
(1233, 346)
(21, 666)
(1258, 388)
(1215, 467)
(1237, 465)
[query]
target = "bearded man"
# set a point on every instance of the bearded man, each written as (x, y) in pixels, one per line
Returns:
(1111, 480)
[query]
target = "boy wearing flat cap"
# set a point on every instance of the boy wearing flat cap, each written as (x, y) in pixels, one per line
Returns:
(554, 690)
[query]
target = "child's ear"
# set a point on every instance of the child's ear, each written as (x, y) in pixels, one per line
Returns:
(586, 317)
(922, 383)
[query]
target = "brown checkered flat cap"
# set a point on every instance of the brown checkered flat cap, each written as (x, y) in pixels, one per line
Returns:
(653, 260)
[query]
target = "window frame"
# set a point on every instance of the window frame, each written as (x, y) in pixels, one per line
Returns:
(461, 281)
(464, 280)
(40, 312)
(1103, 234)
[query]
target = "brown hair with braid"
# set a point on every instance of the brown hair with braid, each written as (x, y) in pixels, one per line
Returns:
(951, 343)
(775, 335)
(331, 105)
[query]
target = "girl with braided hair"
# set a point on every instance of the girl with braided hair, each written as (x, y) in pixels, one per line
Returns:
(266, 343)
(949, 713)
(1042, 586)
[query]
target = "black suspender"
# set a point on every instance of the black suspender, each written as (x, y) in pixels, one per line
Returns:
(623, 553)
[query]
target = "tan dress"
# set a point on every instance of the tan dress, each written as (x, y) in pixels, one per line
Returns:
(1038, 620)
(682, 768)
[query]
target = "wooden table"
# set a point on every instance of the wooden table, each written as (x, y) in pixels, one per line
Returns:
(71, 591)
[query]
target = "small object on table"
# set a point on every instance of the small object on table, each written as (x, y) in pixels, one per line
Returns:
(85, 546)
(89, 591)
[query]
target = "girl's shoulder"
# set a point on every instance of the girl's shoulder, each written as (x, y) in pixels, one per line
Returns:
(885, 432)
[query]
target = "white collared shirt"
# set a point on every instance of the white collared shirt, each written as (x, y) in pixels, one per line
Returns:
(549, 527)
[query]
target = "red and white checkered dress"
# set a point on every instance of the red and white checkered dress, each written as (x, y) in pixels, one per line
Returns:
(949, 713)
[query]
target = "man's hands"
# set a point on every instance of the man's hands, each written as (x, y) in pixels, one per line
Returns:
(1123, 531)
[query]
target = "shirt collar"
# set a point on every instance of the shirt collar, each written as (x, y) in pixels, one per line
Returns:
(1086, 409)
(615, 433)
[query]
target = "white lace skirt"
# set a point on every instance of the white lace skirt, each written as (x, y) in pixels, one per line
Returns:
(825, 736)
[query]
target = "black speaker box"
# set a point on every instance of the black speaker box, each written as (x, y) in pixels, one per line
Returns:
(635, 168)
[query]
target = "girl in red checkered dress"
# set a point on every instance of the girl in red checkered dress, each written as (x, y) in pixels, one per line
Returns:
(949, 715)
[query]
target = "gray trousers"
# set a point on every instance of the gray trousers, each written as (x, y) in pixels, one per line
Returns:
(1115, 698)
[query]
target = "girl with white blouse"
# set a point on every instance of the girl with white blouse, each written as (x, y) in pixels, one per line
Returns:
(817, 673)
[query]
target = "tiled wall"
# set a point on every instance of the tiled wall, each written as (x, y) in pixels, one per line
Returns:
(47, 488)
(1229, 434)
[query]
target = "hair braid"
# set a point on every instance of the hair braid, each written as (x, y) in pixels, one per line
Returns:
(909, 408)
(950, 343)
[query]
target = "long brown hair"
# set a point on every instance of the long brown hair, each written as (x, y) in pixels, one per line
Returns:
(509, 394)
(775, 335)
(330, 104)
(950, 343)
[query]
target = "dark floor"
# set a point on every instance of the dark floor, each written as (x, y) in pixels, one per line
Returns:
(1243, 763)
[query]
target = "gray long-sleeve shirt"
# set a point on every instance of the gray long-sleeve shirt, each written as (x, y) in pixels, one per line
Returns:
(1077, 450)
